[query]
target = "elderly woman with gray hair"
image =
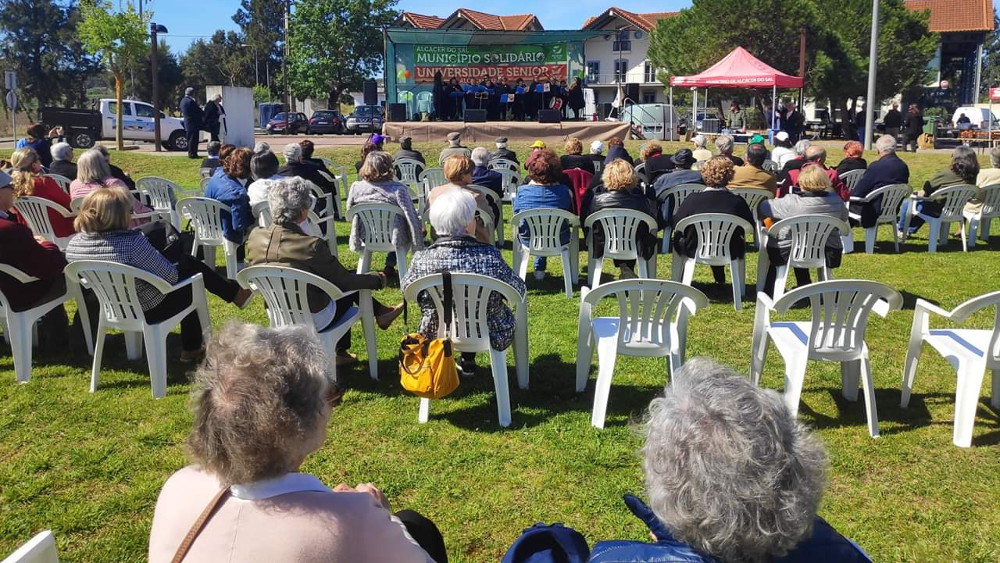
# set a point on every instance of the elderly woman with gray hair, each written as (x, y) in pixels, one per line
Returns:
(62, 161)
(453, 216)
(93, 173)
(262, 403)
(377, 183)
(731, 476)
(285, 242)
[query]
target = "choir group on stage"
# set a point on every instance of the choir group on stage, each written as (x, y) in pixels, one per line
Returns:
(515, 100)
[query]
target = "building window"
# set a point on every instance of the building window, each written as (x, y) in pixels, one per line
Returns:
(648, 97)
(593, 72)
(648, 72)
(623, 41)
(621, 70)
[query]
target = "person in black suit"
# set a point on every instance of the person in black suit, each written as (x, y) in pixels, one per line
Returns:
(574, 156)
(214, 114)
(885, 170)
(503, 152)
(715, 198)
(62, 161)
(656, 163)
(193, 120)
(294, 166)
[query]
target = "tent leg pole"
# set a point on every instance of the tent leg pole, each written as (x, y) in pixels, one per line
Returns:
(774, 107)
(671, 137)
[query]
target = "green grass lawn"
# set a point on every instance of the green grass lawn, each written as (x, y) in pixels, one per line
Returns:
(89, 466)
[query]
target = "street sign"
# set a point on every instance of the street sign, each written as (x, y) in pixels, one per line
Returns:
(995, 94)
(11, 100)
(10, 80)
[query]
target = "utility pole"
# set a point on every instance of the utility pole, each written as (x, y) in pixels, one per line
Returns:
(872, 73)
(153, 30)
(284, 67)
(802, 64)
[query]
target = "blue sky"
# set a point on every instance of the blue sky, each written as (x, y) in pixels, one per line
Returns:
(188, 20)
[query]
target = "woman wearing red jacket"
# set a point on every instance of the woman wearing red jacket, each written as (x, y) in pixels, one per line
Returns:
(29, 181)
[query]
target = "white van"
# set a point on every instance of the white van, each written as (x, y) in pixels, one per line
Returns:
(978, 118)
(653, 121)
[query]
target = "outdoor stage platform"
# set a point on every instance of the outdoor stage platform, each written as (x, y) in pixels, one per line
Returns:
(484, 133)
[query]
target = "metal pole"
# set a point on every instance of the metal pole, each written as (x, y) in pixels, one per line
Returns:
(156, 96)
(694, 111)
(979, 69)
(671, 113)
(774, 106)
(284, 67)
(802, 64)
(872, 74)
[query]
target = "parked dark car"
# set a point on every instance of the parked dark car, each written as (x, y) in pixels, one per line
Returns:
(298, 124)
(326, 121)
(365, 119)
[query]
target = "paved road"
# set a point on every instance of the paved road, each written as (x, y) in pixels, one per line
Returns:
(276, 142)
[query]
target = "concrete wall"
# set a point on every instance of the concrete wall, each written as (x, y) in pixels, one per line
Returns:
(240, 117)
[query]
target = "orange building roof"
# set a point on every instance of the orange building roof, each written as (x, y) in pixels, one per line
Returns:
(951, 16)
(646, 21)
(421, 21)
(481, 20)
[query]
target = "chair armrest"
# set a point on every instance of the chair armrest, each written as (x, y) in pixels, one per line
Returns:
(166, 288)
(924, 307)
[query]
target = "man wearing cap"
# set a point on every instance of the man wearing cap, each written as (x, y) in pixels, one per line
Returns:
(752, 174)
(454, 147)
(782, 151)
(597, 154)
(406, 151)
(682, 174)
(193, 115)
(503, 152)
(20, 248)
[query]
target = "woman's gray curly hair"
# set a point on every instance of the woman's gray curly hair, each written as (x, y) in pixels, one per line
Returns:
(728, 470)
(287, 198)
(258, 402)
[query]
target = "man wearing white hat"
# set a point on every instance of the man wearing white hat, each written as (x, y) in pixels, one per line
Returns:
(454, 147)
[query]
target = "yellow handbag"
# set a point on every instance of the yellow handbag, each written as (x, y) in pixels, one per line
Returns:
(427, 365)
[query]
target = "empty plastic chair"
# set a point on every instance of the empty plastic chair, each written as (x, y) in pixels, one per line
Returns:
(892, 197)
(205, 216)
(161, 195)
(714, 231)
(545, 227)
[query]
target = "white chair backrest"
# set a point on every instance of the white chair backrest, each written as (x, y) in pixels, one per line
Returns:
(752, 196)
(714, 230)
(499, 164)
(35, 212)
(809, 234)
(893, 196)
(432, 178)
(115, 287)
(646, 308)
(408, 169)
(285, 292)
(262, 211)
(990, 196)
(680, 193)
(490, 195)
(63, 181)
(769, 166)
(161, 193)
(851, 178)
(965, 310)
(510, 183)
(953, 200)
(39, 549)
(76, 204)
(840, 310)
(640, 171)
(377, 220)
(489, 227)
(471, 293)
(545, 227)
(621, 228)
(205, 215)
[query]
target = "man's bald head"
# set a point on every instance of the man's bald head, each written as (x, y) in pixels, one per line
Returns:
(816, 154)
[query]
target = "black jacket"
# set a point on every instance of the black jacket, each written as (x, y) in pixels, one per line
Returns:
(657, 166)
(403, 153)
(193, 115)
(893, 118)
(889, 169)
(913, 125)
(63, 168)
(211, 114)
(308, 172)
(577, 161)
(710, 201)
(617, 151)
(619, 199)
(849, 164)
(504, 153)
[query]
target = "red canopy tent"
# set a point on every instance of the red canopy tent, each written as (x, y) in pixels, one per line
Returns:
(738, 69)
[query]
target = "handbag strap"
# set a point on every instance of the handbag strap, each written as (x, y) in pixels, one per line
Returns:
(447, 301)
(199, 524)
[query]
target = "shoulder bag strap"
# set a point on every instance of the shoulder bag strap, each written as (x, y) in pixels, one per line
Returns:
(449, 300)
(199, 524)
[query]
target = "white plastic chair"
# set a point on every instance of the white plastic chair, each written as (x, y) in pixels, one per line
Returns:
(510, 183)
(340, 178)
(544, 239)
(714, 231)
(317, 226)
(640, 172)
(408, 169)
(970, 351)
(892, 199)
(754, 197)
(329, 206)
(35, 212)
(494, 203)
(499, 164)
(851, 178)
(621, 227)
(980, 222)
(836, 333)
(115, 287)
(62, 181)
(19, 327)
(809, 235)
(770, 166)
(952, 200)
(284, 290)
(376, 224)
(203, 183)
(39, 549)
(652, 322)
(432, 178)
(161, 195)
(679, 193)
(470, 329)
(205, 215)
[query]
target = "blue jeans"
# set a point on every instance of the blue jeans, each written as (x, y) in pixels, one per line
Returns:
(915, 222)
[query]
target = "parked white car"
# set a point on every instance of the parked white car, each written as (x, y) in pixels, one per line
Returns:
(83, 128)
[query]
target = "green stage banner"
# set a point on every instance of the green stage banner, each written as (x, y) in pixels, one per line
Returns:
(475, 63)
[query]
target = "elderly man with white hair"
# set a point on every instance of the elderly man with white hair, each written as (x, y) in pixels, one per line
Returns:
(483, 176)
(724, 144)
(700, 152)
(731, 476)
(295, 166)
(453, 216)
(454, 147)
(887, 169)
(214, 117)
(62, 161)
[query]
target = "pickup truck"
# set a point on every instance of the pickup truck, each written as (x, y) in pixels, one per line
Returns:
(84, 127)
